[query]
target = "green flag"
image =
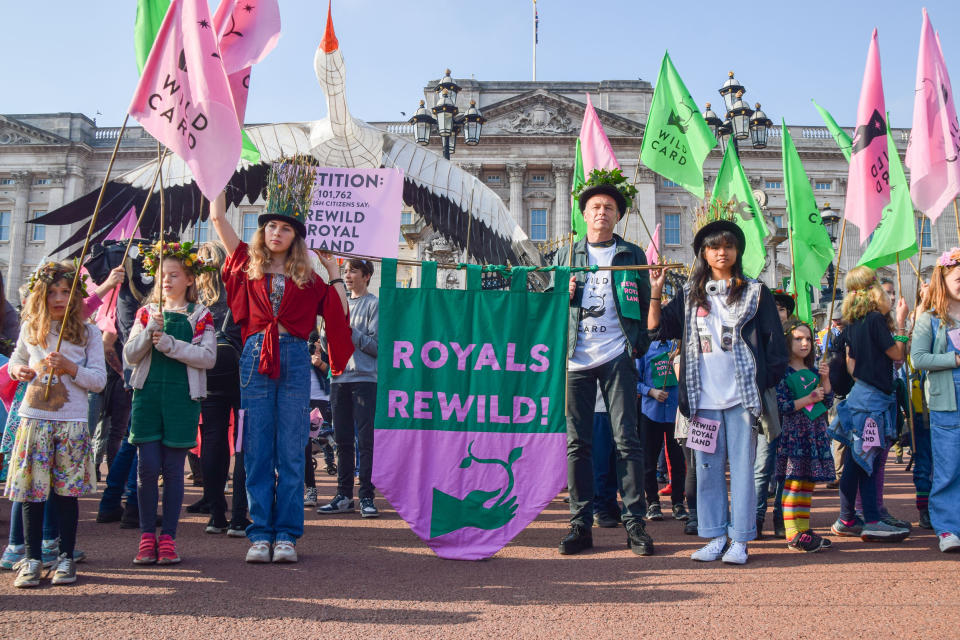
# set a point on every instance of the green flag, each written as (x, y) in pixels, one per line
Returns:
(812, 249)
(732, 185)
(577, 223)
(804, 309)
(150, 15)
(843, 140)
(248, 150)
(676, 139)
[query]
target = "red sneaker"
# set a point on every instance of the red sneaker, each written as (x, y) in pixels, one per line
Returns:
(664, 491)
(167, 550)
(147, 553)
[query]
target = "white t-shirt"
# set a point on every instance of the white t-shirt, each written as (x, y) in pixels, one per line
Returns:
(599, 336)
(317, 392)
(718, 389)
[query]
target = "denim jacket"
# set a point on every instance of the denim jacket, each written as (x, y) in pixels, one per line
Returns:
(929, 352)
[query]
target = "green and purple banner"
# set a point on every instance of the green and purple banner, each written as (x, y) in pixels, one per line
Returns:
(471, 437)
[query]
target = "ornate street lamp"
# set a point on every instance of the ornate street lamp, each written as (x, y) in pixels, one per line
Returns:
(449, 122)
(730, 89)
(740, 116)
(759, 126)
(712, 120)
(831, 220)
(422, 122)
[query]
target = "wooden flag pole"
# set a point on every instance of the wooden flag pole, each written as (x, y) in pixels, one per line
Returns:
(566, 364)
(899, 280)
(956, 216)
(160, 261)
(86, 242)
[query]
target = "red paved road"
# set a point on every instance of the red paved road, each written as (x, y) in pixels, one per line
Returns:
(375, 579)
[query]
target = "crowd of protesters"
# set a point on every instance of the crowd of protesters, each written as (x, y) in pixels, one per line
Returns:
(719, 379)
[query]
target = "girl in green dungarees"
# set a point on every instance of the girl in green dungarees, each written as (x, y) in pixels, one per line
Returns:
(169, 353)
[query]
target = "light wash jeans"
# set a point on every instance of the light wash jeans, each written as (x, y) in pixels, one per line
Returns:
(945, 493)
(276, 425)
(736, 442)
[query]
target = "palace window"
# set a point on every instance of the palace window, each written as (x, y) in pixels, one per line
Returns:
(538, 225)
(38, 232)
(406, 217)
(671, 228)
(669, 183)
(42, 181)
(7, 181)
(538, 178)
(926, 235)
(493, 178)
(249, 226)
(4, 225)
(777, 219)
(822, 186)
(773, 184)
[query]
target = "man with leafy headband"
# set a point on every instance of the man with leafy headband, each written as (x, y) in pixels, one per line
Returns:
(607, 331)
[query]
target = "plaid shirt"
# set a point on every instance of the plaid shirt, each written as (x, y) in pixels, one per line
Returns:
(745, 366)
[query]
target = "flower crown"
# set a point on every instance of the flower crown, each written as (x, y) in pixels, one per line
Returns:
(290, 185)
(784, 292)
(182, 251)
(949, 258)
(614, 178)
(707, 211)
(50, 272)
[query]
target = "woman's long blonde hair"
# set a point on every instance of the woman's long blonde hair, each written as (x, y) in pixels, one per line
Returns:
(35, 319)
(157, 292)
(297, 266)
(209, 283)
(864, 295)
(937, 298)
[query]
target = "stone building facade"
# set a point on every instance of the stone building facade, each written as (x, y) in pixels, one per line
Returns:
(525, 155)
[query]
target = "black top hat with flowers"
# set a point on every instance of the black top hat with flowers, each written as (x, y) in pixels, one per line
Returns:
(715, 217)
(612, 183)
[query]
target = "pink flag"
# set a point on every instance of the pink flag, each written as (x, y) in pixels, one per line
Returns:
(868, 183)
(247, 32)
(653, 250)
(594, 145)
(935, 138)
(126, 228)
(183, 99)
(240, 89)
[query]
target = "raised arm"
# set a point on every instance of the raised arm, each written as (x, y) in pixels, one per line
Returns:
(218, 217)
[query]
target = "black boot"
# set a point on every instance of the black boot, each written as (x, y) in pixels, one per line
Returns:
(576, 540)
(638, 540)
(778, 528)
(759, 528)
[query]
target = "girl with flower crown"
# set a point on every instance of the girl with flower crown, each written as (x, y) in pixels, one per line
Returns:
(936, 349)
(275, 296)
(732, 355)
(169, 350)
(52, 449)
(866, 418)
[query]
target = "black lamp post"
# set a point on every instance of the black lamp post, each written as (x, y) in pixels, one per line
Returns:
(447, 120)
(740, 121)
(831, 220)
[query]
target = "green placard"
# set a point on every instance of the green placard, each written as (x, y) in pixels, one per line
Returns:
(801, 383)
(661, 371)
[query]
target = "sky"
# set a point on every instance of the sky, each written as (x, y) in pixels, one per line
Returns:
(65, 55)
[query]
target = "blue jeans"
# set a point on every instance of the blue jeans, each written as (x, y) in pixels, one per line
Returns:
(122, 474)
(762, 472)
(736, 443)
(276, 426)
(604, 466)
(153, 460)
(945, 492)
(922, 455)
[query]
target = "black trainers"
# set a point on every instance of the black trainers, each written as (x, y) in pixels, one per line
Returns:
(924, 519)
(806, 541)
(368, 509)
(200, 506)
(113, 515)
(238, 528)
(779, 529)
(690, 527)
(680, 512)
(638, 540)
(893, 521)
(339, 504)
(654, 512)
(607, 520)
(759, 528)
(130, 518)
(577, 539)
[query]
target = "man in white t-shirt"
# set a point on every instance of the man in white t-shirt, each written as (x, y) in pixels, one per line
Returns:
(607, 332)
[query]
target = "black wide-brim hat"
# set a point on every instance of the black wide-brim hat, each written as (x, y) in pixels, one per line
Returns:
(298, 226)
(606, 189)
(718, 226)
(786, 301)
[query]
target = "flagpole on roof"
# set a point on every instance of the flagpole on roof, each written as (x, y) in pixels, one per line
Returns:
(536, 19)
(86, 242)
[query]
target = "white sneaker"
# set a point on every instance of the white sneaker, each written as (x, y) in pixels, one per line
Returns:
(736, 554)
(712, 551)
(949, 543)
(259, 552)
(310, 497)
(284, 551)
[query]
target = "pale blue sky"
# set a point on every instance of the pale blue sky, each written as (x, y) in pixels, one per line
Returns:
(68, 55)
